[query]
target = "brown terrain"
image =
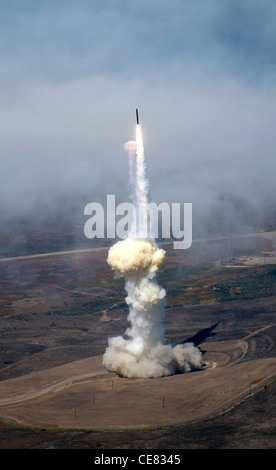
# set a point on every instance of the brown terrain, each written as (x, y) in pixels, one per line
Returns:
(58, 310)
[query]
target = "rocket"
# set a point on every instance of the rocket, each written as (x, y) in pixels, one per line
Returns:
(137, 117)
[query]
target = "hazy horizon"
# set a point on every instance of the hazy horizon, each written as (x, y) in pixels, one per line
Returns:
(202, 75)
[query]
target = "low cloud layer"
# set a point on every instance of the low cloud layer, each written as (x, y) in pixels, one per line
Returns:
(201, 73)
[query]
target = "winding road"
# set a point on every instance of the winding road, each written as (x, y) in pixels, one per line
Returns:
(53, 387)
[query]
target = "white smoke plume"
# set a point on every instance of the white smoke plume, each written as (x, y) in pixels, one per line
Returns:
(143, 353)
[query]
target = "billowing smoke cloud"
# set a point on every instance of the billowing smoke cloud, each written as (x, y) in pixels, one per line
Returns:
(135, 255)
(143, 353)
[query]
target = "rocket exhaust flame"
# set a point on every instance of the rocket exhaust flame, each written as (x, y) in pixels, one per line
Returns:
(143, 354)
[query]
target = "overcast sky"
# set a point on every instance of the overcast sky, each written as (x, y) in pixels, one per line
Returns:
(201, 72)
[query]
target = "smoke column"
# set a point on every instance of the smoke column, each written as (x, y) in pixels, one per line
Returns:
(137, 258)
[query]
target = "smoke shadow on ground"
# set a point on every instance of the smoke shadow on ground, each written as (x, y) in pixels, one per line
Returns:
(201, 335)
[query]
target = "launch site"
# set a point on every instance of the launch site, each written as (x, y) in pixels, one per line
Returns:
(149, 323)
(57, 315)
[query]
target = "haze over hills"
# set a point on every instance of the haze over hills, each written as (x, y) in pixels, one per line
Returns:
(203, 76)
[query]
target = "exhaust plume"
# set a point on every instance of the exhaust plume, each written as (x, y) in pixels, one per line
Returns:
(143, 352)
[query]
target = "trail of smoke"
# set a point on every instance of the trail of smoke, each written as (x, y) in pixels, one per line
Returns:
(143, 353)
(142, 186)
(130, 147)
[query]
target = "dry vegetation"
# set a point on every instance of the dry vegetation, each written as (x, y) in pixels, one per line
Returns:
(57, 313)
